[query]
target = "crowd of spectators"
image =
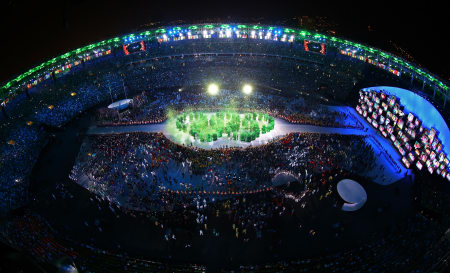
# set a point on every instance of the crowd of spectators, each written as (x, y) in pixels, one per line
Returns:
(136, 170)
(398, 249)
(415, 244)
(18, 156)
(33, 234)
(56, 101)
(66, 109)
(329, 81)
(133, 169)
(295, 110)
(23, 133)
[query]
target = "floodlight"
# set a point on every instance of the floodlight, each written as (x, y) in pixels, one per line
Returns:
(247, 89)
(213, 89)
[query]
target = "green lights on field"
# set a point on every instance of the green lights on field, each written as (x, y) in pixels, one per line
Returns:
(209, 127)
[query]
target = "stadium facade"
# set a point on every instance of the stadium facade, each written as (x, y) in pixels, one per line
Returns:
(326, 45)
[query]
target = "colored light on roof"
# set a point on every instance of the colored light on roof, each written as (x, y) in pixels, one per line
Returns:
(47, 66)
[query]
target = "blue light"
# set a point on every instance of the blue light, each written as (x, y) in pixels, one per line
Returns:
(421, 108)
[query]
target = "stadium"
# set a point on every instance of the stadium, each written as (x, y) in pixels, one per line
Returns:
(225, 148)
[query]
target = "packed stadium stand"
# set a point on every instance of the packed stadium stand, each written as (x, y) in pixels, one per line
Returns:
(94, 189)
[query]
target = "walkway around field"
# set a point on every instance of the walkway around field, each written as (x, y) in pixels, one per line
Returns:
(388, 157)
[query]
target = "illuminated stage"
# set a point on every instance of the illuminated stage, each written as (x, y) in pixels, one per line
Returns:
(177, 136)
(392, 171)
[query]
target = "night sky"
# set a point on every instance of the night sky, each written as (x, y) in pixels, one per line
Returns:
(38, 31)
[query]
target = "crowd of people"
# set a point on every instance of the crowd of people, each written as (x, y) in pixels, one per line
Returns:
(208, 192)
(18, 156)
(296, 110)
(66, 109)
(133, 169)
(252, 217)
(23, 134)
(35, 235)
(398, 249)
(55, 103)
(57, 100)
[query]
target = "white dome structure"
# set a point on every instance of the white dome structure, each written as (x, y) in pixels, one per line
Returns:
(283, 177)
(353, 193)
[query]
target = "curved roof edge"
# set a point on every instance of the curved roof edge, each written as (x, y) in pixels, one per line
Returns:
(9, 88)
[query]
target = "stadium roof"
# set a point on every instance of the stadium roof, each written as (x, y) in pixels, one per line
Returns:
(10, 88)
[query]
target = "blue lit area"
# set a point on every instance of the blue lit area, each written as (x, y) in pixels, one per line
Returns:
(411, 123)
(422, 108)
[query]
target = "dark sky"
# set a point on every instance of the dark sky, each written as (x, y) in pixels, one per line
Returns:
(37, 31)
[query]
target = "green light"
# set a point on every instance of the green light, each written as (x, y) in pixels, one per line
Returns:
(304, 33)
(288, 30)
(208, 127)
(50, 64)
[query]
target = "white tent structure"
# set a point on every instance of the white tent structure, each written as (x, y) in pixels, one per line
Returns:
(352, 193)
(283, 177)
(120, 105)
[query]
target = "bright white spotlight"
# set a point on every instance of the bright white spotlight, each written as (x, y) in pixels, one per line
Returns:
(213, 89)
(247, 89)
